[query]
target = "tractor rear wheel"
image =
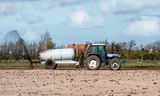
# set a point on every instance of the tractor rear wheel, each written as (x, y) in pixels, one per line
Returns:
(50, 64)
(93, 62)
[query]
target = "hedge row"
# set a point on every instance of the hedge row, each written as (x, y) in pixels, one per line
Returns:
(145, 56)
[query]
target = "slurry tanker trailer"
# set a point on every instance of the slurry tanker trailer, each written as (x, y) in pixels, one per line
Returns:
(91, 56)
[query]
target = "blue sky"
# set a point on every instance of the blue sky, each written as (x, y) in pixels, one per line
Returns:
(77, 21)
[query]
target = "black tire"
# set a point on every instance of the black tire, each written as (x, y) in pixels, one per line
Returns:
(50, 64)
(115, 64)
(93, 62)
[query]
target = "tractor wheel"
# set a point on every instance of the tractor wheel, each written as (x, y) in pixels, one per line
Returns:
(50, 64)
(115, 64)
(93, 63)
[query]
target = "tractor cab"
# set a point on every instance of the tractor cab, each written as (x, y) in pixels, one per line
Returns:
(97, 55)
(99, 50)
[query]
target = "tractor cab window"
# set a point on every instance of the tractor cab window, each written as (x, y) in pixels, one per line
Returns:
(94, 49)
(102, 50)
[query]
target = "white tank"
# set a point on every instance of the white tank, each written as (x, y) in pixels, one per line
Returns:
(58, 54)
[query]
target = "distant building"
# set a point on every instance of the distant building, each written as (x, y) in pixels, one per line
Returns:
(150, 51)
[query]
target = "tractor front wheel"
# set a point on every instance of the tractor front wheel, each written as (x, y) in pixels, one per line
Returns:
(115, 64)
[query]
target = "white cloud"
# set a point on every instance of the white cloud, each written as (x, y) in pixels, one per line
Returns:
(16, 0)
(9, 8)
(47, 4)
(143, 15)
(115, 5)
(80, 17)
(107, 5)
(127, 6)
(146, 27)
(83, 19)
(30, 18)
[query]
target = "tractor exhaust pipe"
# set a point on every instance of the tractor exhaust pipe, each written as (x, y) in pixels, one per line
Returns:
(112, 49)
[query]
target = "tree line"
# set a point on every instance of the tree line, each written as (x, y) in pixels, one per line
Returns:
(128, 50)
(16, 50)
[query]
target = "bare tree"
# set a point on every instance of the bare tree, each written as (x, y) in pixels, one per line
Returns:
(46, 42)
(131, 44)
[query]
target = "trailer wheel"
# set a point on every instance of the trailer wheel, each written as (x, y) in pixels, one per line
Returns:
(50, 64)
(93, 62)
(115, 64)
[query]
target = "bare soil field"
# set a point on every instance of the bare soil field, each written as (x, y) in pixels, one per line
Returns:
(43, 82)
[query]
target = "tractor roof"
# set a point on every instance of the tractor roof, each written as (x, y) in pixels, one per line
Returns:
(99, 44)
